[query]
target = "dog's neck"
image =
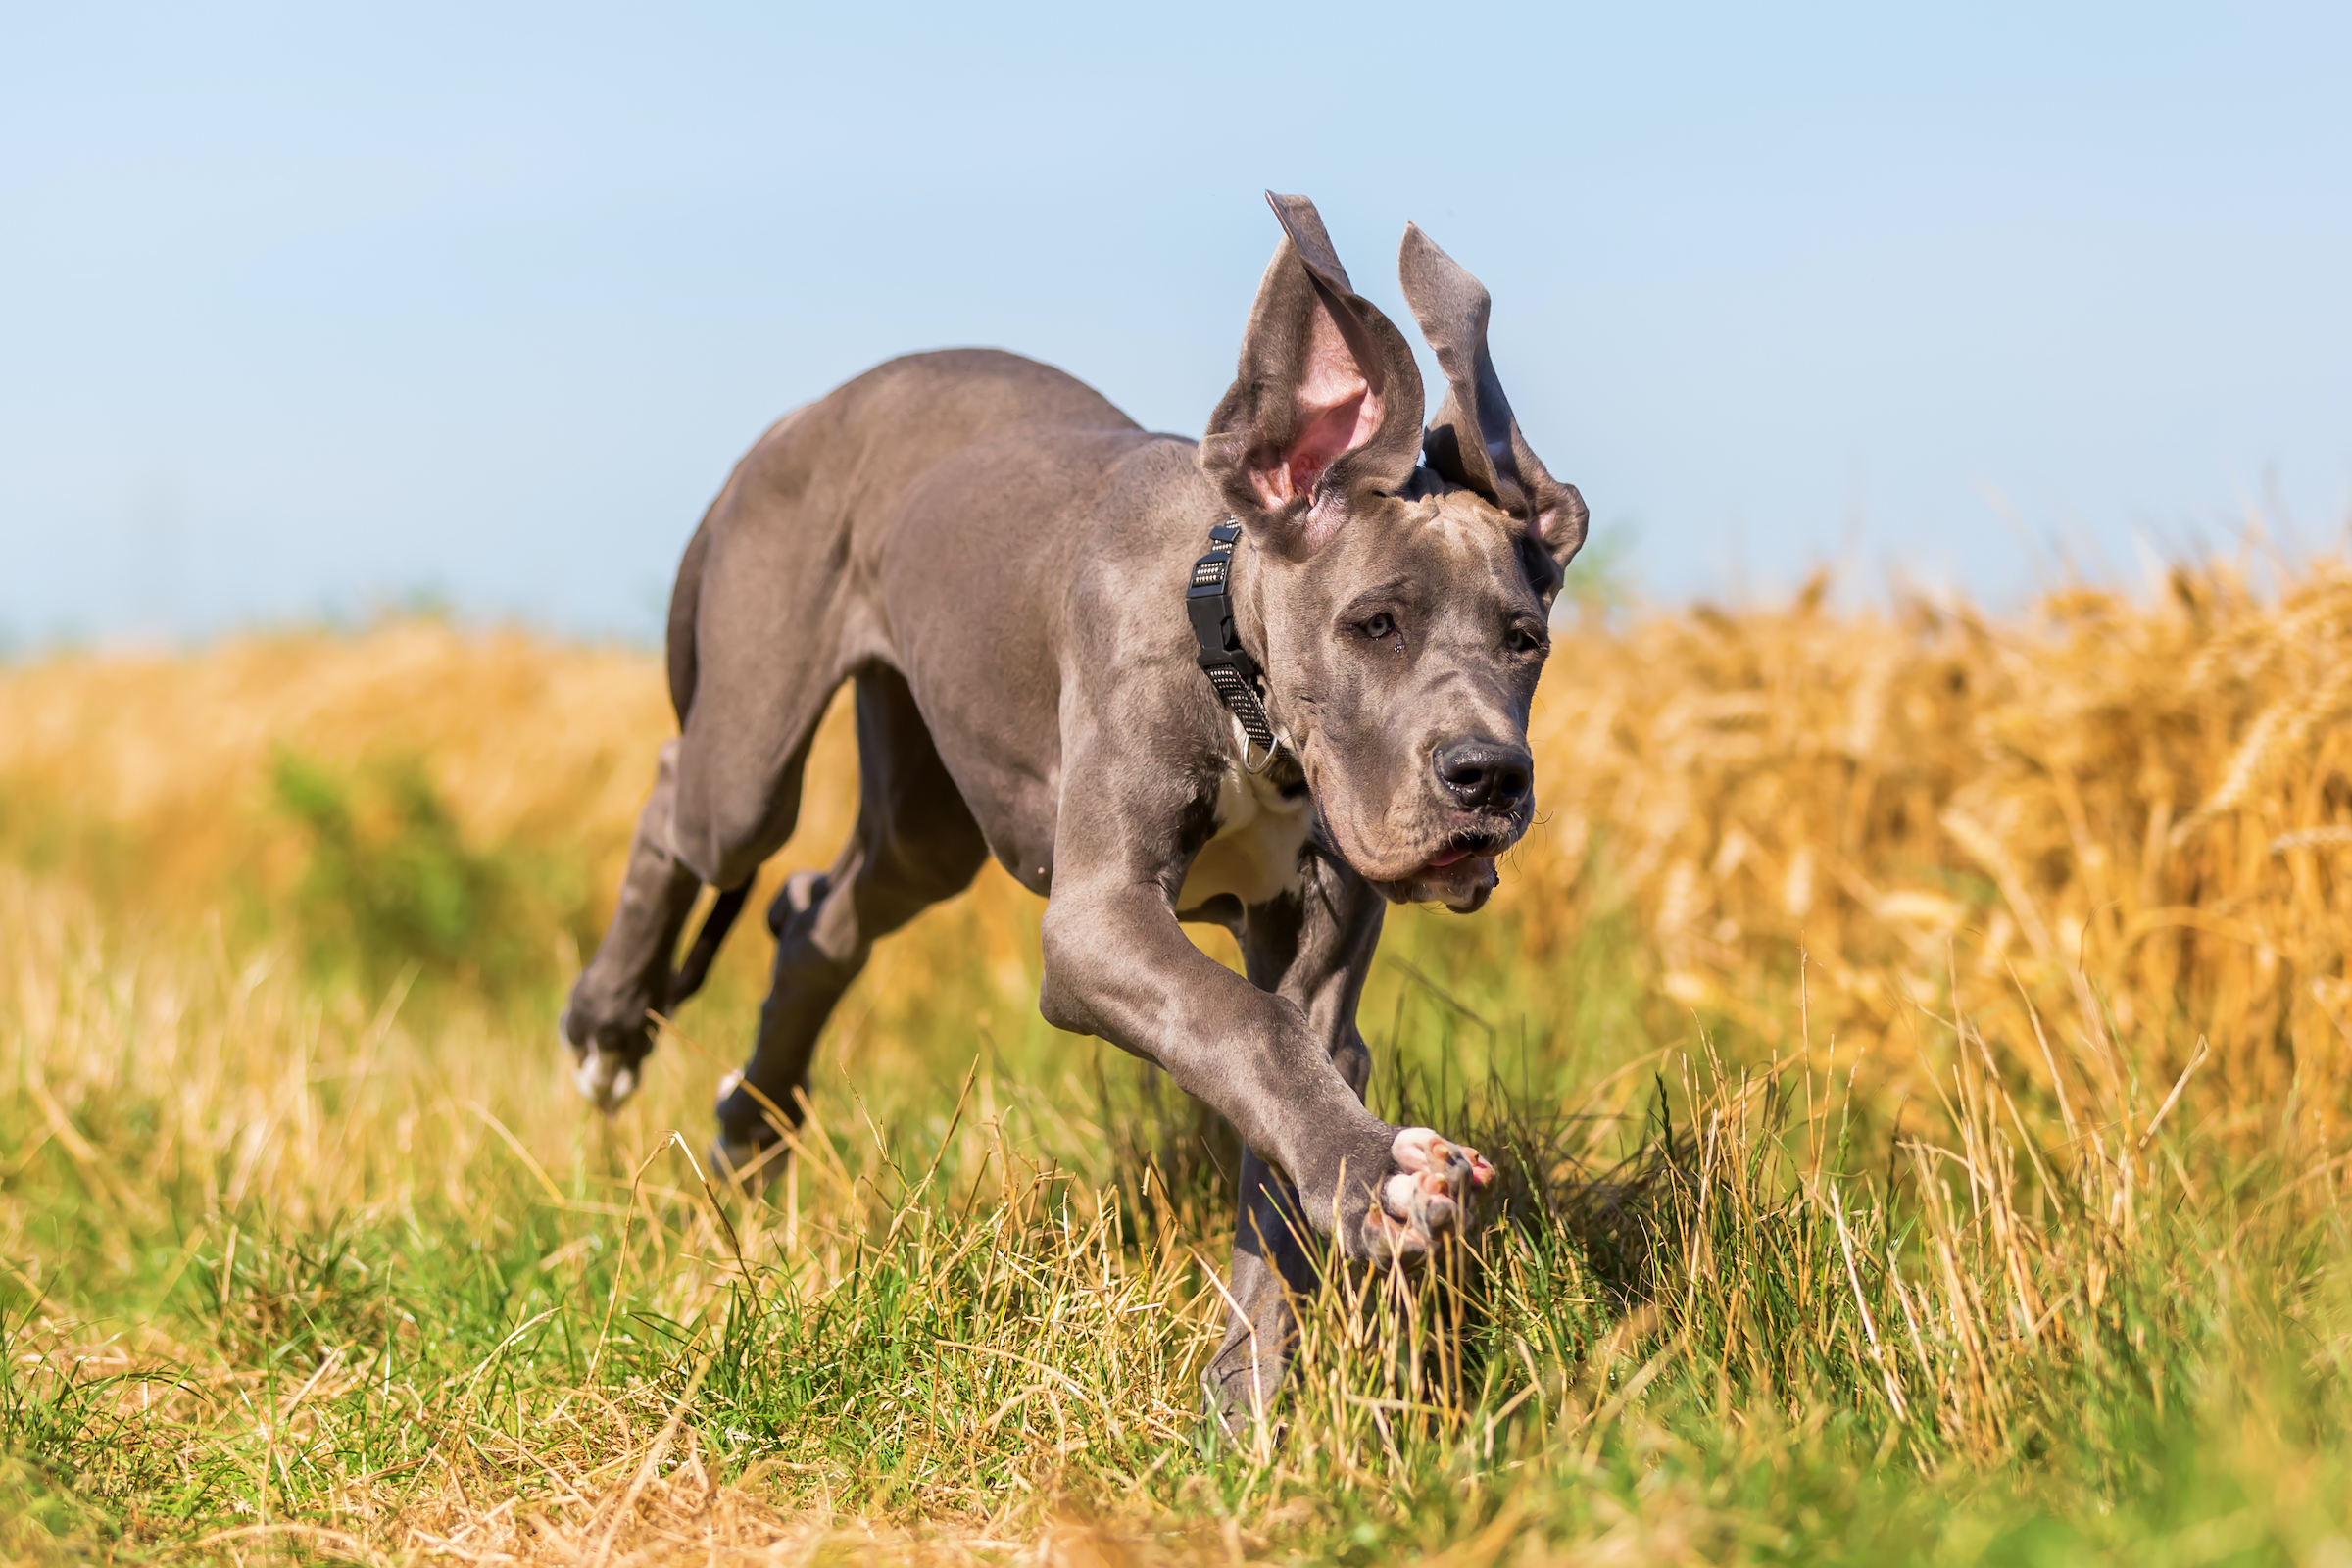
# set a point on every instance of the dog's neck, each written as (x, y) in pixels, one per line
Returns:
(1247, 579)
(1232, 667)
(1245, 586)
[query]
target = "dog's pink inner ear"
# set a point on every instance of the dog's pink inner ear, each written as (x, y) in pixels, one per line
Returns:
(1337, 411)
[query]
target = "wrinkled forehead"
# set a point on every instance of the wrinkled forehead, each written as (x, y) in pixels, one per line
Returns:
(1451, 543)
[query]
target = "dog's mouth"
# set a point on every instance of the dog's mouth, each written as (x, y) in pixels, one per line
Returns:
(1459, 871)
(1460, 875)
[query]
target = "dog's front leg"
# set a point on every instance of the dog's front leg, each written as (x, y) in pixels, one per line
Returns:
(1313, 947)
(1277, 1063)
(1117, 964)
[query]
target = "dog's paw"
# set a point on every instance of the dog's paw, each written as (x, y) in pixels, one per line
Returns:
(748, 1157)
(1236, 1395)
(1427, 1197)
(607, 1055)
(605, 1078)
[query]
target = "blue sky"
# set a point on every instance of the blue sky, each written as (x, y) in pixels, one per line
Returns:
(303, 310)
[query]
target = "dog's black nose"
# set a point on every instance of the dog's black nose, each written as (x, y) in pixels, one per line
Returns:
(1481, 775)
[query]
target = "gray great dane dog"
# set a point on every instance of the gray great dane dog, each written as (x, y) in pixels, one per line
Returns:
(998, 558)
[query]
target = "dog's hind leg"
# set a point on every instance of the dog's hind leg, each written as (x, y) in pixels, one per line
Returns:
(754, 659)
(1313, 948)
(606, 1021)
(915, 844)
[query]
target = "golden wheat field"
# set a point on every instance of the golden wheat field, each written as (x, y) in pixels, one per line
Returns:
(1921, 1041)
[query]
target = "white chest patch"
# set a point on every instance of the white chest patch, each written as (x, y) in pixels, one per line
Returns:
(1254, 854)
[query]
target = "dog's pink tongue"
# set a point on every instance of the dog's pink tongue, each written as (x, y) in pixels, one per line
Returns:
(1437, 862)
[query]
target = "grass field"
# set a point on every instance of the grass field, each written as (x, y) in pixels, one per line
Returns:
(1920, 1047)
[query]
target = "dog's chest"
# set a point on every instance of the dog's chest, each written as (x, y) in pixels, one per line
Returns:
(1255, 853)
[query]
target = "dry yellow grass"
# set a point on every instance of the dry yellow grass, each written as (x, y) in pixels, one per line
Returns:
(147, 778)
(2150, 799)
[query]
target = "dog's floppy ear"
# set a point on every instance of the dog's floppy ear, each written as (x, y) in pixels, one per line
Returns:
(1327, 399)
(1474, 441)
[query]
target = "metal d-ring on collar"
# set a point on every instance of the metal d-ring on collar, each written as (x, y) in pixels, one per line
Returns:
(1223, 658)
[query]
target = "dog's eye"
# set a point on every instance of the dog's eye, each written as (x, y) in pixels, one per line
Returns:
(1381, 627)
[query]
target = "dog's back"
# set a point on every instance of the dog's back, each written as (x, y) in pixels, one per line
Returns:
(841, 465)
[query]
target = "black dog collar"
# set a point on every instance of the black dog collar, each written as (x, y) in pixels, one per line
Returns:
(1223, 658)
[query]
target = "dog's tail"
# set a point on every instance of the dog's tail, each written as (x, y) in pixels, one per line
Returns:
(688, 978)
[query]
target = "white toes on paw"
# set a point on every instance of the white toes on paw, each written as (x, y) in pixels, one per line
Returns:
(1444, 1165)
(604, 1078)
(750, 1162)
(1425, 1197)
